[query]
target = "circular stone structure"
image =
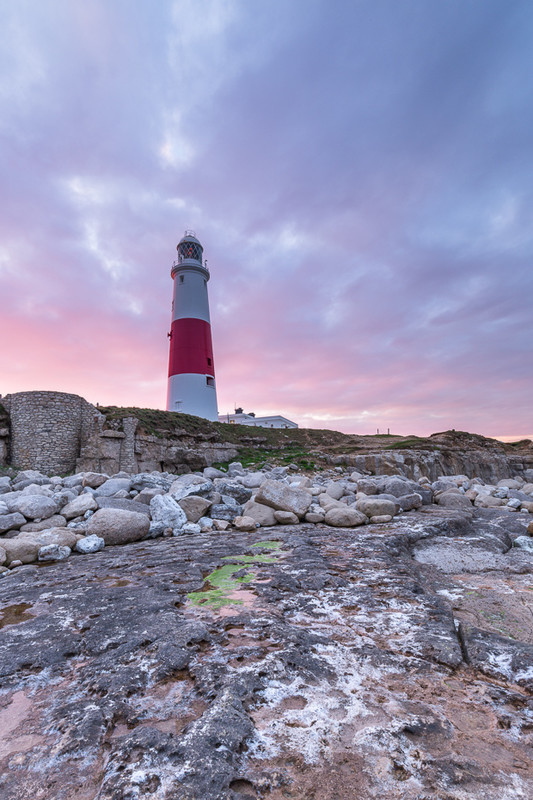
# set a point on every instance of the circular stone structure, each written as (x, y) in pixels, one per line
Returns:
(47, 429)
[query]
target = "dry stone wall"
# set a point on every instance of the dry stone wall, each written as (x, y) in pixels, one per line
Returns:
(47, 428)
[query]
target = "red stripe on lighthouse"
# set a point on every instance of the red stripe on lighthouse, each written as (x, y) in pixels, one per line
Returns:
(191, 349)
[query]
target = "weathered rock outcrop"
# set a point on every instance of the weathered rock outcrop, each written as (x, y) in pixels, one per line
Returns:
(300, 661)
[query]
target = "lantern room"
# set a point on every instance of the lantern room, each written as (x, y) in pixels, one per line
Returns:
(189, 248)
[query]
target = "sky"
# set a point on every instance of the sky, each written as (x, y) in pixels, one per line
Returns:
(359, 172)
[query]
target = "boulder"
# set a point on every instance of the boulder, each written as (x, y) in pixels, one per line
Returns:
(488, 501)
(410, 502)
(282, 498)
(20, 549)
(314, 516)
(253, 480)
(453, 499)
(301, 481)
(260, 513)
(443, 484)
(519, 495)
(375, 507)
(180, 490)
(34, 488)
(278, 473)
(65, 496)
(36, 506)
(184, 481)
(286, 517)
(94, 479)
(124, 503)
(236, 490)
(63, 537)
(335, 490)
(152, 480)
(56, 521)
(349, 498)
(325, 501)
(229, 501)
(73, 480)
(195, 507)
(530, 528)
(368, 486)
(344, 517)
(9, 522)
(524, 543)
(166, 513)
(78, 506)
(220, 524)
(236, 468)
(380, 518)
(211, 473)
(116, 526)
(146, 495)
(514, 504)
(225, 512)
(112, 486)
(247, 524)
(510, 483)
(3, 556)
(89, 544)
(31, 476)
(53, 552)
(189, 528)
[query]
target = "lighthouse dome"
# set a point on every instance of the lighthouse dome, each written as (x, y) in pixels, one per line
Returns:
(189, 248)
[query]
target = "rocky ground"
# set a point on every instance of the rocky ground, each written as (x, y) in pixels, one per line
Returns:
(389, 655)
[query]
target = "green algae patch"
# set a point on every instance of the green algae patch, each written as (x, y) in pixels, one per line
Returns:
(222, 578)
(225, 580)
(258, 559)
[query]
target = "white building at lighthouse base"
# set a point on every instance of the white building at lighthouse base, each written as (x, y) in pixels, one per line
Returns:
(274, 421)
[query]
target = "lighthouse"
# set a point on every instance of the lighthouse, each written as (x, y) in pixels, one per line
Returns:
(191, 372)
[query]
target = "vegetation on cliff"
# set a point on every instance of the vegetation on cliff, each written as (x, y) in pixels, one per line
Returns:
(305, 447)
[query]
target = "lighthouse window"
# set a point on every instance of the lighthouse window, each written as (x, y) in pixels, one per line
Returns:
(190, 250)
(210, 381)
(208, 362)
(182, 278)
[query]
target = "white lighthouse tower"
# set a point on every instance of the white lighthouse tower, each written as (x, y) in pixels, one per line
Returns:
(191, 372)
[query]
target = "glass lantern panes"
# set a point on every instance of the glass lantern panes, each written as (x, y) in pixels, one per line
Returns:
(189, 250)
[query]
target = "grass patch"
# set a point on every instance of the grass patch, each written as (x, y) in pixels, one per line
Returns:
(415, 443)
(258, 456)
